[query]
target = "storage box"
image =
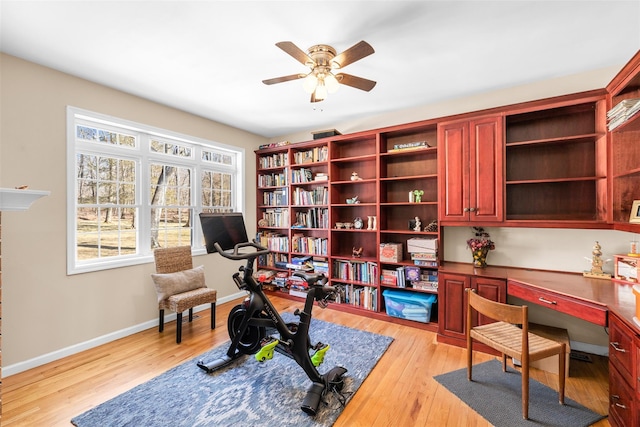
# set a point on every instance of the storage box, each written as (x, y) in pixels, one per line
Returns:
(409, 305)
(390, 252)
(550, 364)
(418, 244)
(325, 133)
(626, 268)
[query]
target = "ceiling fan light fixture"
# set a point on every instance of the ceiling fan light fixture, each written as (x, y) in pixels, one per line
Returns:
(331, 83)
(310, 82)
(321, 91)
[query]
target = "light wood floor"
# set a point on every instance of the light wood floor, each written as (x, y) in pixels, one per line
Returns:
(399, 392)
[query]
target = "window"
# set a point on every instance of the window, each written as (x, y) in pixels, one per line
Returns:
(133, 188)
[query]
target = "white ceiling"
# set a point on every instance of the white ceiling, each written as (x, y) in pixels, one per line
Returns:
(209, 57)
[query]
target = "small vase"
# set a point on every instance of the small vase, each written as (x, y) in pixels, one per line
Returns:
(480, 257)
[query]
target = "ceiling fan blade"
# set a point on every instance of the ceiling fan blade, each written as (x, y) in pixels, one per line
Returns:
(353, 54)
(354, 81)
(283, 79)
(297, 53)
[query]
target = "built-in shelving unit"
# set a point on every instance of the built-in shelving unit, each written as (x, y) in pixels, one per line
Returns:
(624, 146)
(556, 163)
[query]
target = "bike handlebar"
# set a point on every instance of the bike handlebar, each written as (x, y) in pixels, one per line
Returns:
(236, 255)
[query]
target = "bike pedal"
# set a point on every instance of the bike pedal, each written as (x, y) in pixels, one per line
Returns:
(318, 356)
(266, 352)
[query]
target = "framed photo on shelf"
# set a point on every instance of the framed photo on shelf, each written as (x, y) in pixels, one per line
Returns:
(634, 218)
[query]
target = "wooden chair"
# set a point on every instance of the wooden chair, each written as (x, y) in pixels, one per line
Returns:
(180, 287)
(511, 337)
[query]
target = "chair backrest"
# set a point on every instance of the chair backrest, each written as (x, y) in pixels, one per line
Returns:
(513, 314)
(171, 260)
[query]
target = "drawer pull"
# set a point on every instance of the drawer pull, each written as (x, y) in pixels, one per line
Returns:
(546, 301)
(616, 347)
(620, 405)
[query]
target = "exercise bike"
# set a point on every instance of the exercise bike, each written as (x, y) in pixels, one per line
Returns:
(249, 321)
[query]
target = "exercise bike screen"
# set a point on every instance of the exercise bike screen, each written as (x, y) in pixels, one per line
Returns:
(225, 228)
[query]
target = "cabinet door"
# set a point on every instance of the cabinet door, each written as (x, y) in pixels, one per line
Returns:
(471, 170)
(453, 158)
(492, 289)
(486, 163)
(452, 299)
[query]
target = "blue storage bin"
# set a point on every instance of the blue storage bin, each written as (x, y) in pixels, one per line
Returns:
(409, 305)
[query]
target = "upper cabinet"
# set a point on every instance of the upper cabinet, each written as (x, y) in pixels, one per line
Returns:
(471, 170)
(624, 146)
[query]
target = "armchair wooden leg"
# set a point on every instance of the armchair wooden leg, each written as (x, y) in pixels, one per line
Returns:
(179, 328)
(213, 315)
(161, 321)
(190, 315)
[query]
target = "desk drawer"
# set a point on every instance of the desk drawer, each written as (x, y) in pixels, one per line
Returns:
(575, 307)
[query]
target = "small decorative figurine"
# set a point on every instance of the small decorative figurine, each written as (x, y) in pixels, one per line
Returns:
(433, 226)
(357, 252)
(373, 223)
(352, 201)
(418, 225)
(355, 177)
(418, 195)
(596, 264)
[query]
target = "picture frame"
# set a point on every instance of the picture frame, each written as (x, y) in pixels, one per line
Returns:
(634, 217)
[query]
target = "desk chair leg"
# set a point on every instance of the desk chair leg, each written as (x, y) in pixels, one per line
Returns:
(161, 321)
(179, 328)
(213, 315)
(562, 373)
(525, 388)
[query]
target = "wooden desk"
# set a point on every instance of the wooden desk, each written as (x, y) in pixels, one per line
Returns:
(571, 293)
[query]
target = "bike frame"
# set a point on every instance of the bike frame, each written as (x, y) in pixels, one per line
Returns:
(259, 303)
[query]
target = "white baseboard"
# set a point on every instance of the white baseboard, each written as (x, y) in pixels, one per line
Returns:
(77, 348)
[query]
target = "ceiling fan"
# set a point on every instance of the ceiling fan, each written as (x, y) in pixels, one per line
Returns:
(322, 61)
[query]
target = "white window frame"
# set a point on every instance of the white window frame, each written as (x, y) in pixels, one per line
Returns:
(143, 157)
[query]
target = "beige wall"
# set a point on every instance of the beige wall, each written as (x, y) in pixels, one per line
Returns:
(44, 310)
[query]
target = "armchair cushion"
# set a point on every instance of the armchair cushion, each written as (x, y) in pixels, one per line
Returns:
(169, 284)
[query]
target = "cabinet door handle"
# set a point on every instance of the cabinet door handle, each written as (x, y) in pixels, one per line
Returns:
(546, 301)
(619, 405)
(472, 209)
(465, 210)
(616, 347)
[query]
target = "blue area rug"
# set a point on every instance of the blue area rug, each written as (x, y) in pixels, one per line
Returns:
(247, 392)
(496, 396)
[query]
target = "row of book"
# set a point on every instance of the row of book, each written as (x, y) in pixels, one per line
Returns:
(273, 161)
(316, 196)
(359, 296)
(272, 259)
(273, 180)
(276, 218)
(312, 218)
(316, 154)
(301, 175)
(309, 245)
(278, 197)
(407, 276)
(273, 241)
(622, 112)
(356, 271)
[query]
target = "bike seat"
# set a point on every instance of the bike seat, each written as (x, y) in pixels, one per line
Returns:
(310, 278)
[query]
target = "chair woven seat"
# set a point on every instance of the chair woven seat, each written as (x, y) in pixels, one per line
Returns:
(186, 300)
(507, 339)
